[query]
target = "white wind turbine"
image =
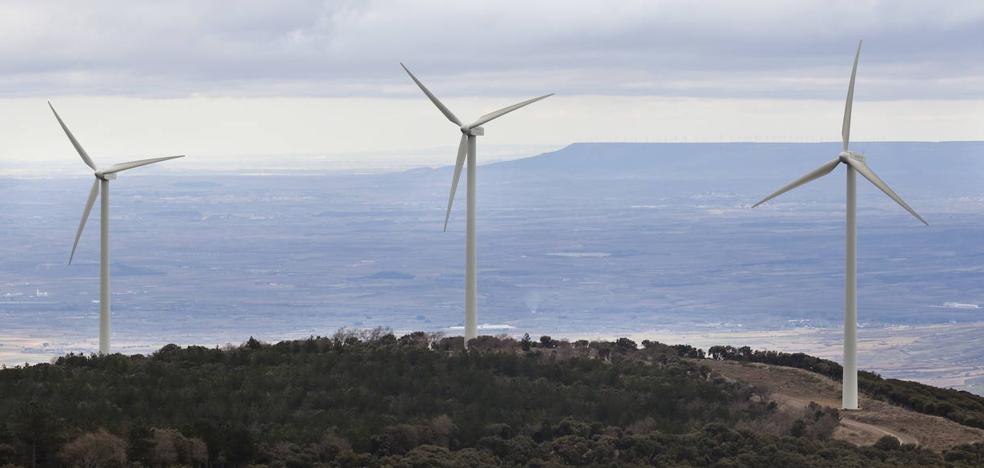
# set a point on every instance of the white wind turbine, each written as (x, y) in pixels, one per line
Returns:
(855, 163)
(467, 147)
(101, 184)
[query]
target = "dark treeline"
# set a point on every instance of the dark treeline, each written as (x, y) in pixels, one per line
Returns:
(373, 399)
(957, 405)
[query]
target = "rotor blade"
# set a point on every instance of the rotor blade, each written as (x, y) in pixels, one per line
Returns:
(499, 113)
(85, 216)
(813, 175)
(866, 171)
(846, 128)
(462, 151)
(85, 156)
(132, 164)
(437, 102)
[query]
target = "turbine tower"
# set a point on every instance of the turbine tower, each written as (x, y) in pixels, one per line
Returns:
(101, 186)
(855, 164)
(467, 147)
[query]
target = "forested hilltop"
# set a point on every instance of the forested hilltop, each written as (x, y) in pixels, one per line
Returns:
(372, 399)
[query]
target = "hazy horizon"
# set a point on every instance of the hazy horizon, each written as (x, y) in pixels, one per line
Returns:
(354, 163)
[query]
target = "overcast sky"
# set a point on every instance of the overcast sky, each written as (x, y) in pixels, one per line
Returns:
(287, 80)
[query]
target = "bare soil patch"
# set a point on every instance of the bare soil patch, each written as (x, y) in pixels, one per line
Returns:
(793, 388)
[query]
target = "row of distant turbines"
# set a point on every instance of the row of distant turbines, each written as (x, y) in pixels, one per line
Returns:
(467, 152)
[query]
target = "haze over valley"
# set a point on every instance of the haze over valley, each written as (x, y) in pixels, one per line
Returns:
(594, 240)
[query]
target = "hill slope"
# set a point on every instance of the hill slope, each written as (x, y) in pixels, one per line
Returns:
(793, 388)
(419, 400)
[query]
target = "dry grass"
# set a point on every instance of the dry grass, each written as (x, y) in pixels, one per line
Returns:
(793, 389)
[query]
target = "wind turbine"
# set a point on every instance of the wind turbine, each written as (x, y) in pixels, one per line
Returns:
(466, 147)
(855, 164)
(101, 184)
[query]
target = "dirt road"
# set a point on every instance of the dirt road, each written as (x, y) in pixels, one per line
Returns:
(873, 432)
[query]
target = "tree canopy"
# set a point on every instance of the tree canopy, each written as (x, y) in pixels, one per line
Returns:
(373, 399)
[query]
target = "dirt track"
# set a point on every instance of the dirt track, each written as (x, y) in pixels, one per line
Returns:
(856, 431)
(794, 388)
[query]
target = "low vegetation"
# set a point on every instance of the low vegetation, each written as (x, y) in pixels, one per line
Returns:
(373, 399)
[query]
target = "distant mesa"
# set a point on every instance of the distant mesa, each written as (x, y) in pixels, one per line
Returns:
(678, 162)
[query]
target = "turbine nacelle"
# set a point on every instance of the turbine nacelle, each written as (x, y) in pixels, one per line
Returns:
(473, 131)
(845, 156)
(107, 177)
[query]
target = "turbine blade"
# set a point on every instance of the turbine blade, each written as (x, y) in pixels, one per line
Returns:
(132, 164)
(846, 128)
(499, 113)
(85, 216)
(866, 171)
(458, 163)
(813, 175)
(437, 102)
(85, 156)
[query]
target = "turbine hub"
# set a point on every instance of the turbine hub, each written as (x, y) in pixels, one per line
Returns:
(106, 177)
(473, 131)
(845, 155)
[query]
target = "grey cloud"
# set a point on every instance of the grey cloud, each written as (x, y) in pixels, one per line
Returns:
(721, 48)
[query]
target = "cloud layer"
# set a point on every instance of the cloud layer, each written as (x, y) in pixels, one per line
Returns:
(767, 49)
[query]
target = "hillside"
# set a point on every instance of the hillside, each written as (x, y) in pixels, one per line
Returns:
(793, 388)
(372, 399)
